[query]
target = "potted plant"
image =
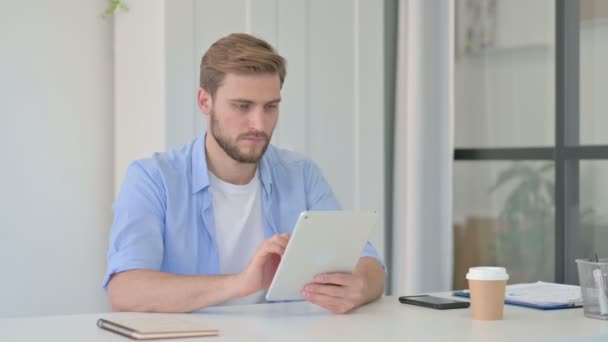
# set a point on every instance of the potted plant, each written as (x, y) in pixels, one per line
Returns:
(525, 242)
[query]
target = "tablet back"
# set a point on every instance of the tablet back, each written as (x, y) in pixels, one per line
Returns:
(322, 242)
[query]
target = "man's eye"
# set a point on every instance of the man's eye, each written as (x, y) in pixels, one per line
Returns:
(272, 106)
(242, 106)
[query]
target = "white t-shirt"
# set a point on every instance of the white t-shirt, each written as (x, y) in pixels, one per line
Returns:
(237, 210)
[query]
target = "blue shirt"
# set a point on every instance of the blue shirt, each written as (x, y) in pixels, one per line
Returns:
(164, 215)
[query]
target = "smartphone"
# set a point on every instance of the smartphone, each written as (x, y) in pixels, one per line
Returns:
(434, 302)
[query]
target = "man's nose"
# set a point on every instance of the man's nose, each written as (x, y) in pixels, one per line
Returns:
(256, 120)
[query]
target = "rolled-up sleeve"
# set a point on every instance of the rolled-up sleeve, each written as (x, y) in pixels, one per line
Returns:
(321, 197)
(136, 238)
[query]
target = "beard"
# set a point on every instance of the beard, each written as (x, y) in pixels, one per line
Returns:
(231, 147)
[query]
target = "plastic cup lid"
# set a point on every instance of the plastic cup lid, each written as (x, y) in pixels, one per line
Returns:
(487, 273)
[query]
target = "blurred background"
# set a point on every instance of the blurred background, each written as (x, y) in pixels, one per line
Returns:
(477, 128)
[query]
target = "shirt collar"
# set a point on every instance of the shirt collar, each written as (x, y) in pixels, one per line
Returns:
(200, 177)
(264, 166)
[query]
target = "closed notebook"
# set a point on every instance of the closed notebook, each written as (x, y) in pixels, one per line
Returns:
(153, 327)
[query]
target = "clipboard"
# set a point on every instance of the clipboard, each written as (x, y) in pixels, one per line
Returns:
(554, 296)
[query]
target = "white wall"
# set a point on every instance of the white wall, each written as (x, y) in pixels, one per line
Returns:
(139, 84)
(56, 146)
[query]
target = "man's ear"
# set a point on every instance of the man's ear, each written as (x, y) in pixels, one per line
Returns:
(204, 101)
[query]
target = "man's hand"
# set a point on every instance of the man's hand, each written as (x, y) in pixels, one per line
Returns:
(336, 292)
(258, 274)
(343, 292)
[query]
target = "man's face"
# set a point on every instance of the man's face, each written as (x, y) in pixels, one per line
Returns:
(243, 114)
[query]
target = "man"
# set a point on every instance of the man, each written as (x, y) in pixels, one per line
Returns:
(207, 223)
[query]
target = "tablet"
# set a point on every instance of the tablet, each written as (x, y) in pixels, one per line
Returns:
(322, 242)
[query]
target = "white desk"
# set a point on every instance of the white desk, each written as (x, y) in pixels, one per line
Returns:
(384, 320)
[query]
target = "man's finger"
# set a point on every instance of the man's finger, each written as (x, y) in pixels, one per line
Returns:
(281, 239)
(325, 301)
(329, 290)
(278, 245)
(271, 248)
(342, 279)
(333, 304)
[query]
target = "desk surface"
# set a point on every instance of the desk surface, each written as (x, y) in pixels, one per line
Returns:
(384, 320)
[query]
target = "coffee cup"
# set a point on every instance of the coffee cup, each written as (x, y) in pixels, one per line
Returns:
(487, 287)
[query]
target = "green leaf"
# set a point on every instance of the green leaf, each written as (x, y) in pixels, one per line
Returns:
(507, 175)
(113, 5)
(546, 167)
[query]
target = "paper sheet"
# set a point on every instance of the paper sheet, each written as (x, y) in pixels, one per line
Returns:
(541, 293)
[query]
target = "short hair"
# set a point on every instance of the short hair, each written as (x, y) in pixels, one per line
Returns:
(239, 53)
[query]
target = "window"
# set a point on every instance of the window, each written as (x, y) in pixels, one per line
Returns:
(530, 121)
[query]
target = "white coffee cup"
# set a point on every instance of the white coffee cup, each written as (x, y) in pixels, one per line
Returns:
(487, 286)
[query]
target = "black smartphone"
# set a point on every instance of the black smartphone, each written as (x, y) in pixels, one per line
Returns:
(434, 302)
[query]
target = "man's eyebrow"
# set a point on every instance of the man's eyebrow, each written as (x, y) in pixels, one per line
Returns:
(274, 101)
(240, 100)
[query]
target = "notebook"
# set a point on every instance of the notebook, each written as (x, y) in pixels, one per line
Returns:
(540, 295)
(150, 327)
